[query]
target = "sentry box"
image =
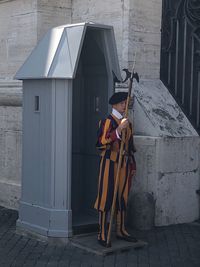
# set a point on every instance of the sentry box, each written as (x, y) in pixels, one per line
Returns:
(67, 81)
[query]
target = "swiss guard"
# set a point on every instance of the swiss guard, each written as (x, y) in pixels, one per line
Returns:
(109, 140)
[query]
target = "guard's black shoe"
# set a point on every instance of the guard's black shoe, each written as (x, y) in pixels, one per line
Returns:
(104, 243)
(127, 238)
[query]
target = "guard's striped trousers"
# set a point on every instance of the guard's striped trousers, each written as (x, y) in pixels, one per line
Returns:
(104, 218)
(107, 175)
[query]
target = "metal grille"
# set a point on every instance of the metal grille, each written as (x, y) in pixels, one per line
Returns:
(180, 54)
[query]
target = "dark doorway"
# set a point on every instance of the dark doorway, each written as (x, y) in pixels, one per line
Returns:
(90, 104)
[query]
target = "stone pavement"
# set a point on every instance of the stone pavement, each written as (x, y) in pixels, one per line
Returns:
(171, 246)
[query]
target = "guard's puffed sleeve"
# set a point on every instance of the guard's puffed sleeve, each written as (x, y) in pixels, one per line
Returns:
(106, 134)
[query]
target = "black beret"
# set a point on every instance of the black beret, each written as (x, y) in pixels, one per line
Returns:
(118, 97)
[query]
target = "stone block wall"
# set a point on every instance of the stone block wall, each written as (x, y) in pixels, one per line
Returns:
(168, 168)
(109, 12)
(145, 36)
(22, 24)
(52, 13)
(10, 143)
(18, 34)
(167, 155)
(137, 27)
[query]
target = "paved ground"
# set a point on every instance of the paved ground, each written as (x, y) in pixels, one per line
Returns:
(172, 246)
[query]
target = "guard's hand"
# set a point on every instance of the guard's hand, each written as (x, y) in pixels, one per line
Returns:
(133, 172)
(123, 125)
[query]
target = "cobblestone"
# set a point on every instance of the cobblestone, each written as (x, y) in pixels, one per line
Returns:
(170, 246)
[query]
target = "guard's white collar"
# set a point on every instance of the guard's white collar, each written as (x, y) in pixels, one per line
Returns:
(117, 114)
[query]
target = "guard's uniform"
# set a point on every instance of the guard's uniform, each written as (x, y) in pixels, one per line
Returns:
(109, 144)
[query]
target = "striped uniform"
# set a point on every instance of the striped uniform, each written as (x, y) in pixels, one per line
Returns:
(109, 145)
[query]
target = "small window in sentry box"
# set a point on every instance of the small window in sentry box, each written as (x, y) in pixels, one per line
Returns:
(37, 103)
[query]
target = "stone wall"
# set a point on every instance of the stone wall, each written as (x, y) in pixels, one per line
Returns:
(18, 34)
(10, 143)
(52, 13)
(167, 155)
(109, 12)
(168, 168)
(145, 36)
(137, 27)
(22, 24)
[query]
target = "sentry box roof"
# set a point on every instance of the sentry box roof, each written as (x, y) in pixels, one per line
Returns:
(57, 54)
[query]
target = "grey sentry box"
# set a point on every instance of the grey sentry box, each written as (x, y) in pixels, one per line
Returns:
(67, 81)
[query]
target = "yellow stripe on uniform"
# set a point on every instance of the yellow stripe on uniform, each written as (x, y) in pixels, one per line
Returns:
(97, 200)
(105, 185)
(104, 141)
(103, 226)
(125, 194)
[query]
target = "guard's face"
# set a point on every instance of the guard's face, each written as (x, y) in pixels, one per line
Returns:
(120, 107)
